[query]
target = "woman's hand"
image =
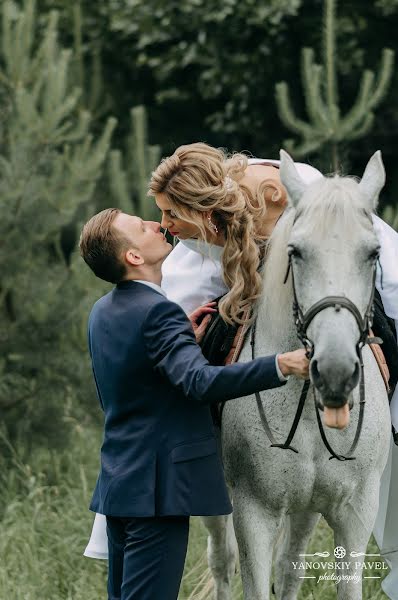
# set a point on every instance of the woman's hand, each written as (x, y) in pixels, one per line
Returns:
(203, 312)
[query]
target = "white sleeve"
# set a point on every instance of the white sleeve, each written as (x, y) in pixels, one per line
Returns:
(387, 276)
(387, 285)
(281, 376)
(191, 279)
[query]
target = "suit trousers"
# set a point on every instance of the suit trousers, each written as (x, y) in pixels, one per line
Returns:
(146, 557)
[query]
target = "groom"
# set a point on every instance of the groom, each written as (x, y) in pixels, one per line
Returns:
(159, 462)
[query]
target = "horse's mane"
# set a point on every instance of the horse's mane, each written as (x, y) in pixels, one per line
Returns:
(325, 202)
(331, 201)
(276, 303)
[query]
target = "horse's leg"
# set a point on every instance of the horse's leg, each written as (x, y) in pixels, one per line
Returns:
(352, 527)
(296, 534)
(256, 530)
(222, 553)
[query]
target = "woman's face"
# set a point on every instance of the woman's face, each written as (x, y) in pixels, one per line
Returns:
(176, 227)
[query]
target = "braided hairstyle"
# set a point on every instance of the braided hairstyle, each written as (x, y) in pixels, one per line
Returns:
(198, 180)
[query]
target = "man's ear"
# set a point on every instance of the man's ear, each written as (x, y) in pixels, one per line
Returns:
(133, 257)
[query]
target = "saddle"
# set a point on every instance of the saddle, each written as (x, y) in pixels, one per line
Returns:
(222, 344)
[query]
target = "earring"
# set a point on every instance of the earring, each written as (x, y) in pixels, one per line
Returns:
(212, 225)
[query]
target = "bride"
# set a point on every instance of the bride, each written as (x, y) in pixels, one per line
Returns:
(223, 210)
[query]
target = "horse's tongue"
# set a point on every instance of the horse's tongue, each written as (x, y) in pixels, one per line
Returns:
(336, 417)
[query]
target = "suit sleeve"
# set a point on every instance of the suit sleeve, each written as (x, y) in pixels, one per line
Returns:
(92, 364)
(172, 348)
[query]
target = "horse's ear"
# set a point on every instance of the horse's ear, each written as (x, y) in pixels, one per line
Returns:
(373, 180)
(290, 178)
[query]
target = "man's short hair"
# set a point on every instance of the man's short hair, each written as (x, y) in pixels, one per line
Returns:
(101, 246)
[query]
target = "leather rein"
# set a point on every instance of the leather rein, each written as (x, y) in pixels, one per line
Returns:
(302, 322)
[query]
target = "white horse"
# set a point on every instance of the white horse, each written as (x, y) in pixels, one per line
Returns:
(279, 495)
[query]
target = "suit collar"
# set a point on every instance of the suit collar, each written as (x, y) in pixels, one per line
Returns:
(129, 284)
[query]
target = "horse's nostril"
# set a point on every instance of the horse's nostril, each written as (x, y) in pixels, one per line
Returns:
(314, 373)
(355, 376)
(335, 381)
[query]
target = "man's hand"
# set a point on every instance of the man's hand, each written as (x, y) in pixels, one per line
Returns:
(294, 363)
(199, 330)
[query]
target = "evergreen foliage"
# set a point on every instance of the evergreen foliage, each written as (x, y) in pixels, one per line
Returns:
(390, 216)
(388, 7)
(88, 73)
(202, 69)
(125, 183)
(207, 68)
(129, 183)
(207, 71)
(49, 167)
(326, 125)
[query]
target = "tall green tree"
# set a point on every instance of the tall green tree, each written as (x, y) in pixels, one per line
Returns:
(207, 71)
(326, 126)
(128, 177)
(49, 167)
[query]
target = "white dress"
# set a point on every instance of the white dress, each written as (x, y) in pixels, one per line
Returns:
(192, 276)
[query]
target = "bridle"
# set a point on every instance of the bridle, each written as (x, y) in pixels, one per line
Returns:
(302, 322)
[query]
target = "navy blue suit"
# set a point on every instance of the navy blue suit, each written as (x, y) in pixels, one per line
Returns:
(159, 457)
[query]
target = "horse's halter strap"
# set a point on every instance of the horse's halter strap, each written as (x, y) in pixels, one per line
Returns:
(302, 321)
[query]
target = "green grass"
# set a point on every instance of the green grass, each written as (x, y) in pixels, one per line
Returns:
(45, 525)
(197, 582)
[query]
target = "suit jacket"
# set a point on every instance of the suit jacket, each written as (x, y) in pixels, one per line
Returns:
(159, 454)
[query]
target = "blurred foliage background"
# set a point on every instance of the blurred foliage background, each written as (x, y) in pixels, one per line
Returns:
(92, 94)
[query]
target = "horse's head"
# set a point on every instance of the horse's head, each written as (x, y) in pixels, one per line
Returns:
(333, 251)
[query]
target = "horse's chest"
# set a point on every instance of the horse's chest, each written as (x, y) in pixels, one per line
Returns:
(271, 474)
(284, 480)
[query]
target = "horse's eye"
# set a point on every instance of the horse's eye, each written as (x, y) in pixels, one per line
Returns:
(294, 252)
(374, 254)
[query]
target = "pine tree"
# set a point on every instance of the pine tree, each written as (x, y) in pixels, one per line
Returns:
(326, 126)
(49, 167)
(390, 216)
(129, 169)
(87, 67)
(129, 182)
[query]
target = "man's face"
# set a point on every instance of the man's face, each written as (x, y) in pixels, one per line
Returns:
(147, 241)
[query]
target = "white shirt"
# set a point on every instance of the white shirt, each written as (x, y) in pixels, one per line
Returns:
(192, 274)
(154, 286)
(388, 274)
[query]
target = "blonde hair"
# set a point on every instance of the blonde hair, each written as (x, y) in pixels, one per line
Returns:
(198, 179)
